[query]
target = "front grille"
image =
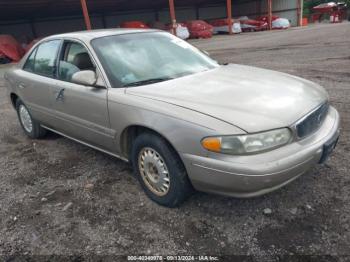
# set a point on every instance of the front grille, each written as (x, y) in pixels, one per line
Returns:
(312, 122)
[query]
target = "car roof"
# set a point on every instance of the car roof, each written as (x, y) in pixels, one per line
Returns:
(87, 36)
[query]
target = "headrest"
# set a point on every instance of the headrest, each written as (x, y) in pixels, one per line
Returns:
(83, 61)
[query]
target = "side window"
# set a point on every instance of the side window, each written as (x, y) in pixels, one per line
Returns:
(45, 58)
(29, 65)
(74, 49)
(74, 58)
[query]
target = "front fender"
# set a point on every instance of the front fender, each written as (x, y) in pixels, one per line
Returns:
(182, 127)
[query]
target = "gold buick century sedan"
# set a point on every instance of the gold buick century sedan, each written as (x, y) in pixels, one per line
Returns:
(182, 120)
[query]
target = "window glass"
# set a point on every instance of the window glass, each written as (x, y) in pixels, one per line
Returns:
(75, 58)
(73, 50)
(45, 58)
(29, 65)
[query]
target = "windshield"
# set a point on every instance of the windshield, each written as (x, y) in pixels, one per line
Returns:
(144, 58)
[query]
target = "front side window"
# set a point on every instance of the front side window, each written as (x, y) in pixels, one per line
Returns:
(73, 49)
(137, 59)
(74, 58)
(45, 58)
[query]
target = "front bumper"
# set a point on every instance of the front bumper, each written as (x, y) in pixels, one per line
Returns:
(254, 175)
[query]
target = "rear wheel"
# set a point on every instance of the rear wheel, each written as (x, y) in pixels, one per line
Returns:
(30, 126)
(160, 171)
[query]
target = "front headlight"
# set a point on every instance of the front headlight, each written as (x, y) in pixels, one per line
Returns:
(248, 144)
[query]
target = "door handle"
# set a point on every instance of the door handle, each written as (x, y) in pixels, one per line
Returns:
(21, 86)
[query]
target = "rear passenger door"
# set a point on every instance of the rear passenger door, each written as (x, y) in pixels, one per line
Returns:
(81, 111)
(37, 79)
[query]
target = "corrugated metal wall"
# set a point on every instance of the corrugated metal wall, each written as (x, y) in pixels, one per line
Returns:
(282, 8)
(245, 9)
(286, 9)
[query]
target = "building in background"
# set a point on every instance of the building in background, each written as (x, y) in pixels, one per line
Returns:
(31, 19)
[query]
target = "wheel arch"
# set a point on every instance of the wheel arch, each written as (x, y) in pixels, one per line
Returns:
(129, 135)
(14, 97)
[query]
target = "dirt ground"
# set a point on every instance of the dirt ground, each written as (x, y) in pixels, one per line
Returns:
(61, 198)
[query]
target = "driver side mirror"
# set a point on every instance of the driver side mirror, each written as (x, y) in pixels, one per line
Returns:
(86, 78)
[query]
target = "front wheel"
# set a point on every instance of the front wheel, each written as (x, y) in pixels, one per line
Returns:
(160, 171)
(30, 126)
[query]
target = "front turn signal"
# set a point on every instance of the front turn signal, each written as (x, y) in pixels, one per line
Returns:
(212, 144)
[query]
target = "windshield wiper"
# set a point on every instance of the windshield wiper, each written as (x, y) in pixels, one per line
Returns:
(148, 81)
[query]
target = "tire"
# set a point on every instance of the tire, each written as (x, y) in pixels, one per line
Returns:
(31, 128)
(163, 159)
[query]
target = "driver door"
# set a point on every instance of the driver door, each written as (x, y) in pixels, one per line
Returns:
(81, 111)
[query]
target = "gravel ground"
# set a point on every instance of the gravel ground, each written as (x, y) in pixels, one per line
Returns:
(61, 198)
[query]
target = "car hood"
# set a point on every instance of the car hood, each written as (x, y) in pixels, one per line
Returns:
(250, 98)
